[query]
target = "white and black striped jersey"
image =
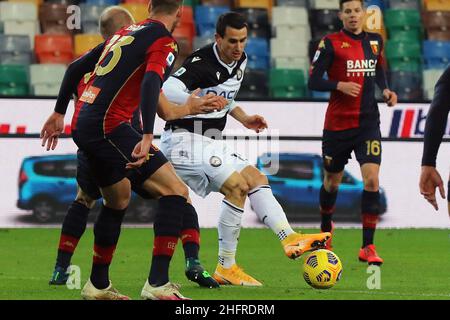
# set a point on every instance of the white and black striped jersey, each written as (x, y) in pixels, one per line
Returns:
(205, 70)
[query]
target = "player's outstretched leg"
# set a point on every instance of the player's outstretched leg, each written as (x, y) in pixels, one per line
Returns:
(270, 212)
(72, 229)
(190, 237)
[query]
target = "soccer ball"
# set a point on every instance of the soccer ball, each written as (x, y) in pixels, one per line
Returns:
(322, 269)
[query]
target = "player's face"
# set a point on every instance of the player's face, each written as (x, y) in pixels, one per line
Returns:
(177, 19)
(232, 45)
(352, 16)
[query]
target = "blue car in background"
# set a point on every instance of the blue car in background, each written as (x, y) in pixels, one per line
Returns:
(47, 186)
(297, 181)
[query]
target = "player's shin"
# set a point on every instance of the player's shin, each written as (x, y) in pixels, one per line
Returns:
(327, 202)
(370, 209)
(229, 229)
(106, 235)
(167, 229)
(73, 228)
(190, 235)
(269, 211)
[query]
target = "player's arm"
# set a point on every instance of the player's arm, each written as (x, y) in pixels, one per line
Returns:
(54, 125)
(193, 105)
(73, 75)
(160, 57)
(253, 122)
(390, 97)
(322, 61)
(436, 123)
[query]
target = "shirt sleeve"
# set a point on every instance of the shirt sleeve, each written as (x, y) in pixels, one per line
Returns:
(175, 90)
(436, 120)
(380, 72)
(322, 61)
(191, 72)
(73, 75)
(160, 58)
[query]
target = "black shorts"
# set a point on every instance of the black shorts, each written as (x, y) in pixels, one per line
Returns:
(87, 184)
(337, 147)
(106, 158)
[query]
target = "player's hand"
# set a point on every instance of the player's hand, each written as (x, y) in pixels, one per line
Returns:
(349, 88)
(206, 104)
(256, 123)
(430, 179)
(390, 97)
(141, 152)
(51, 130)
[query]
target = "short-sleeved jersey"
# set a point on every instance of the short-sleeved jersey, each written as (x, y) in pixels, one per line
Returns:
(205, 70)
(113, 91)
(356, 58)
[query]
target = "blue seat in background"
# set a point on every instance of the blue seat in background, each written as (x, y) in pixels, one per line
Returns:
(103, 2)
(379, 3)
(15, 49)
(257, 50)
(90, 13)
(436, 54)
(407, 85)
(206, 18)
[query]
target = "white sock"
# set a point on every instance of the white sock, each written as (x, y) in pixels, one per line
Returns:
(229, 229)
(269, 211)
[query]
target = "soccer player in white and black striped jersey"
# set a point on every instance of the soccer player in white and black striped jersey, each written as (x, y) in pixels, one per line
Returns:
(208, 165)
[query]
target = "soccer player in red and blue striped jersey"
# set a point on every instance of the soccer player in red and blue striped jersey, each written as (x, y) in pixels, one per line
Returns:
(353, 60)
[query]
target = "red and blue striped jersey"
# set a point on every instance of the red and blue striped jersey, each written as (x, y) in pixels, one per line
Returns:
(347, 57)
(113, 90)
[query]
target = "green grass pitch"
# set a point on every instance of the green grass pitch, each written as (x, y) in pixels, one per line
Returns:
(417, 264)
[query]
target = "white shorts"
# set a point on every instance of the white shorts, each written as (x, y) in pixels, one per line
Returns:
(202, 163)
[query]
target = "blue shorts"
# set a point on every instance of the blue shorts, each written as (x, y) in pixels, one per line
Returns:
(337, 147)
(103, 159)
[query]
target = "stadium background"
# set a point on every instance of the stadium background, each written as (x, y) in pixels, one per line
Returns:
(36, 45)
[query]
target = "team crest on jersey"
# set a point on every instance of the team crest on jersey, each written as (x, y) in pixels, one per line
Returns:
(215, 161)
(374, 46)
(173, 46)
(239, 74)
(218, 75)
(195, 59)
(345, 45)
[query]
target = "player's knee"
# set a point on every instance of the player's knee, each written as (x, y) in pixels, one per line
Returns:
(331, 185)
(120, 202)
(257, 180)
(177, 189)
(85, 200)
(240, 189)
(371, 183)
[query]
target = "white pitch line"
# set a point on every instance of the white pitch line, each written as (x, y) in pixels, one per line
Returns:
(379, 292)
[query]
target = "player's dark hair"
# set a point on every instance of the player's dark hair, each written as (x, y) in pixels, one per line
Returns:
(230, 19)
(341, 2)
(166, 6)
